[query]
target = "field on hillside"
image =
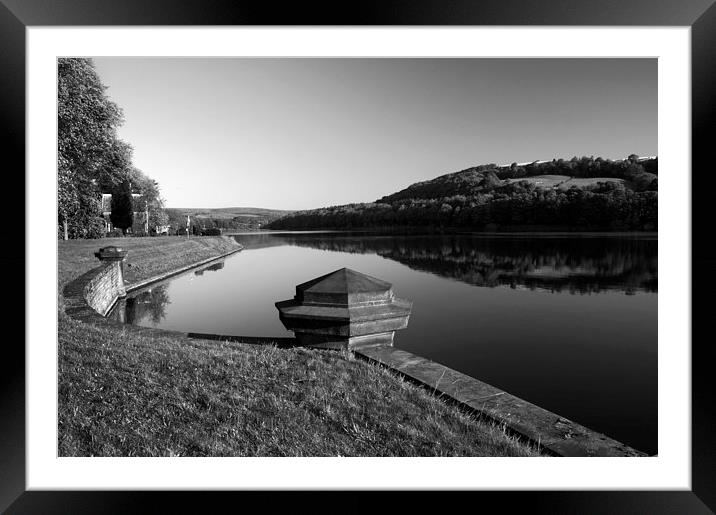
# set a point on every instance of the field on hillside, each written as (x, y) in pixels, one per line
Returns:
(574, 181)
(545, 181)
(563, 181)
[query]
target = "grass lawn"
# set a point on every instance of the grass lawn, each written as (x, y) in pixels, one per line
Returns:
(128, 392)
(146, 257)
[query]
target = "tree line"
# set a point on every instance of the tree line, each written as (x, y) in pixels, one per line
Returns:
(93, 160)
(204, 223)
(607, 205)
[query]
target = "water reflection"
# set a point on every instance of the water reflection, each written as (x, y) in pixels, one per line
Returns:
(149, 306)
(146, 307)
(556, 264)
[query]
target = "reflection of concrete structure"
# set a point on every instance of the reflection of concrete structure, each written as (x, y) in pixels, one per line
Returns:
(344, 309)
(211, 268)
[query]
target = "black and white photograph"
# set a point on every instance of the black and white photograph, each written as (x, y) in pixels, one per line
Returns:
(414, 247)
(299, 257)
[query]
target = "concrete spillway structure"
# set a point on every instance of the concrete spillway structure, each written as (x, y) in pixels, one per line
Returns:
(344, 310)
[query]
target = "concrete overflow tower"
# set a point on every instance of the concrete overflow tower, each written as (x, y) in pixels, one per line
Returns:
(344, 310)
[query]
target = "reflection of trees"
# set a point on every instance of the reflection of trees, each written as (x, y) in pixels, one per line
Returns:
(574, 264)
(149, 304)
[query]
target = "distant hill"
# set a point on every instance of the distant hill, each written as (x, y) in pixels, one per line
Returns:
(226, 218)
(638, 173)
(229, 212)
(579, 193)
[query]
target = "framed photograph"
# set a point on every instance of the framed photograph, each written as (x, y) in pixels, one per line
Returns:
(474, 124)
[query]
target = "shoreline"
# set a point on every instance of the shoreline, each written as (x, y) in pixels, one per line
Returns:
(555, 433)
(417, 231)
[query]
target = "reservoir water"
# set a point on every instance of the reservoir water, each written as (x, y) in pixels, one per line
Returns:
(568, 322)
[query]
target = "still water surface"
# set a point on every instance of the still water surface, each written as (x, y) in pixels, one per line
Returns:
(566, 322)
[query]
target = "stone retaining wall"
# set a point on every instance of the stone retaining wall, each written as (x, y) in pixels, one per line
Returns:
(556, 434)
(105, 287)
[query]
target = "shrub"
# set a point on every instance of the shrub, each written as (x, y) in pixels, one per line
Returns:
(95, 228)
(115, 233)
(213, 231)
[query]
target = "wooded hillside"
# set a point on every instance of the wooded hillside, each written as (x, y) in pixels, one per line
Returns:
(578, 194)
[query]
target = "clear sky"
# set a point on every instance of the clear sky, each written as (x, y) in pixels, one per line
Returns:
(300, 133)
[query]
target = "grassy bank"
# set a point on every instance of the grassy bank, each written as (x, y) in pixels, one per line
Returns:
(147, 257)
(133, 393)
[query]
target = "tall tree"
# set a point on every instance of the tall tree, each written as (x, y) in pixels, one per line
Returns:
(122, 215)
(90, 156)
(150, 201)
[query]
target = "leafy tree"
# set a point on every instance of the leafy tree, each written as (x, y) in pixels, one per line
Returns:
(158, 219)
(490, 181)
(92, 159)
(89, 154)
(150, 200)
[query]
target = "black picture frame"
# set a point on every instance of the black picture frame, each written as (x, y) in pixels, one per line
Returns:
(700, 15)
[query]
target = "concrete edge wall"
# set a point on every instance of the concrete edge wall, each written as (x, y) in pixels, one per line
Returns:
(557, 434)
(103, 289)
